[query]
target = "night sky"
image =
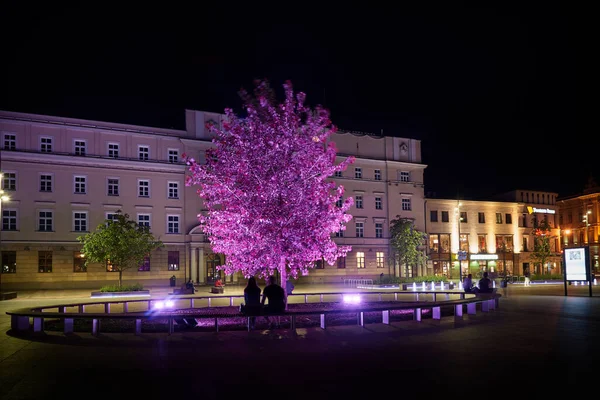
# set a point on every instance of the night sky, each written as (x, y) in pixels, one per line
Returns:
(490, 92)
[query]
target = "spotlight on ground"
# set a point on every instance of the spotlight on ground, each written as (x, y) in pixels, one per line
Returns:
(351, 299)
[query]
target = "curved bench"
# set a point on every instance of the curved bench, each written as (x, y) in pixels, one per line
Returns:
(20, 319)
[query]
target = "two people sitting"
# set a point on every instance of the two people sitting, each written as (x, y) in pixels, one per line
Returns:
(254, 305)
(485, 284)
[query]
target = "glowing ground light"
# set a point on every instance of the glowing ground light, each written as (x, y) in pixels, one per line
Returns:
(424, 288)
(159, 305)
(351, 298)
(432, 286)
(414, 286)
(460, 286)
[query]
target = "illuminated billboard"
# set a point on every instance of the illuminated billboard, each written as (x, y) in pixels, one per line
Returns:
(577, 265)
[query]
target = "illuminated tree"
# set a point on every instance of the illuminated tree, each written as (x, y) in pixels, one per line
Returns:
(120, 241)
(267, 187)
(542, 251)
(406, 242)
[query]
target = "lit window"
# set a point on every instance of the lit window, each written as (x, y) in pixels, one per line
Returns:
(173, 259)
(360, 259)
(79, 262)
(379, 259)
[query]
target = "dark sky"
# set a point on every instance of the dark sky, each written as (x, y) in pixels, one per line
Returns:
(489, 91)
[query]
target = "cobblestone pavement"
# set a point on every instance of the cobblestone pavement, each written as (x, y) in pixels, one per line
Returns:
(537, 342)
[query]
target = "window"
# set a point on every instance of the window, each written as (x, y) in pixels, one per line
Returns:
(44, 261)
(10, 141)
(463, 241)
(360, 259)
(46, 144)
(80, 185)
(80, 221)
(145, 264)
(445, 216)
(9, 220)
(504, 243)
(173, 190)
(439, 243)
(379, 259)
(434, 243)
(339, 233)
(404, 176)
(79, 262)
(80, 147)
(378, 230)
(144, 153)
(143, 220)
(405, 204)
(377, 174)
(341, 262)
(358, 201)
(498, 218)
(9, 180)
(463, 216)
(378, 203)
(481, 244)
(358, 173)
(172, 223)
(143, 188)
(9, 262)
(173, 155)
(481, 218)
(360, 229)
(45, 183)
(113, 186)
(339, 202)
(173, 259)
(45, 221)
(113, 150)
(110, 216)
(509, 218)
(338, 174)
(433, 216)
(320, 264)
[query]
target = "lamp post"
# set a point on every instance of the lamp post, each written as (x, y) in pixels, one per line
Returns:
(3, 198)
(458, 252)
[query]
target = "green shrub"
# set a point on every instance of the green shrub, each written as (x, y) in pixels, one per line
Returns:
(125, 288)
(546, 277)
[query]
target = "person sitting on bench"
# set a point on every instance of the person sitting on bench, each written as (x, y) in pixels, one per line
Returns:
(276, 296)
(485, 284)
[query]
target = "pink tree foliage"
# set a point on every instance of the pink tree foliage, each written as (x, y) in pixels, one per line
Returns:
(267, 188)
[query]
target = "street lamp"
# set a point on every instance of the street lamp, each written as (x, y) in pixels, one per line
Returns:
(459, 252)
(3, 198)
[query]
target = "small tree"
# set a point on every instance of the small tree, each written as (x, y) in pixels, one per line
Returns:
(542, 251)
(405, 241)
(121, 241)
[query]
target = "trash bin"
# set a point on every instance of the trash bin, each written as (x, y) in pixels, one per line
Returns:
(172, 281)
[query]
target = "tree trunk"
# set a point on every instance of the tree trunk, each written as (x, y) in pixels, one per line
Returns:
(120, 278)
(283, 274)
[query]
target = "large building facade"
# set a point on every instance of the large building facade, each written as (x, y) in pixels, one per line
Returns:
(63, 177)
(496, 236)
(579, 222)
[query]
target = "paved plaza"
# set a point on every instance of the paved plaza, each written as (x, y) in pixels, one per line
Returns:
(537, 342)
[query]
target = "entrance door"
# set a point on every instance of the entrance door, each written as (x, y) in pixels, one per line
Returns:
(212, 262)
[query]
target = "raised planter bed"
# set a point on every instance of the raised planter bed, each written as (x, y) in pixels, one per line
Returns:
(136, 293)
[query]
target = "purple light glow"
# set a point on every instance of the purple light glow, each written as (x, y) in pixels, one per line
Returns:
(351, 299)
